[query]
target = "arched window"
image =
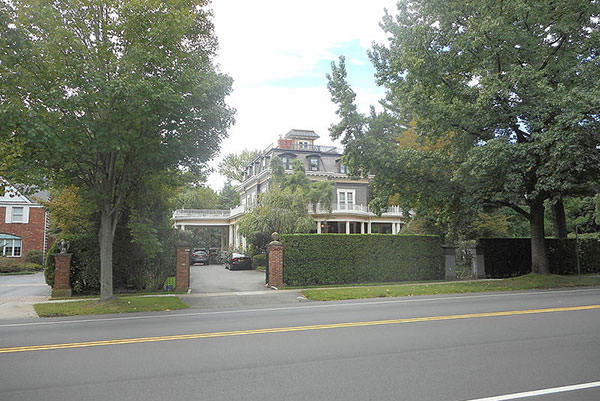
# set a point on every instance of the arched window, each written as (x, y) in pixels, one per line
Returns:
(10, 245)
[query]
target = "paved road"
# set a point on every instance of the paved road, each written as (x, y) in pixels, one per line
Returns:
(459, 347)
(19, 292)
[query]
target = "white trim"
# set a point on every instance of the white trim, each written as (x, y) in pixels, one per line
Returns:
(346, 203)
(8, 214)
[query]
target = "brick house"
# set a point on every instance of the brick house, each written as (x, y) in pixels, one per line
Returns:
(23, 223)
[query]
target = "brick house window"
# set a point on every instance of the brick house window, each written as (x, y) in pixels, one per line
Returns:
(17, 214)
(11, 247)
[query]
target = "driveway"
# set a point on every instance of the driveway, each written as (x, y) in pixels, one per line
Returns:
(217, 279)
(18, 293)
(214, 287)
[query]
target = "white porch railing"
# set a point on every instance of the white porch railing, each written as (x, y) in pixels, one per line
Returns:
(320, 209)
(198, 213)
(350, 208)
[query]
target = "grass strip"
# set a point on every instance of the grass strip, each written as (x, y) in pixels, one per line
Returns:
(526, 282)
(116, 305)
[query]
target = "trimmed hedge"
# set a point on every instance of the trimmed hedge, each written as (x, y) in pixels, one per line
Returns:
(259, 260)
(508, 257)
(315, 259)
(10, 265)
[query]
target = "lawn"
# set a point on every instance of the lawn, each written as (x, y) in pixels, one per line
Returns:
(526, 282)
(116, 305)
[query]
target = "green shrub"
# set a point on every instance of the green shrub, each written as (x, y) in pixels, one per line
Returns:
(10, 265)
(259, 260)
(49, 265)
(508, 257)
(313, 259)
(34, 256)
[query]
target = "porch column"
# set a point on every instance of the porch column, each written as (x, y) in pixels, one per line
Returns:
(183, 227)
(318, 227)
(231, 236)
(347, 227)
(369, 228)
(394, 228)
(362, 227)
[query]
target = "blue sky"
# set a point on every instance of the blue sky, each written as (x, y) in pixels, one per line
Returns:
(360, 70)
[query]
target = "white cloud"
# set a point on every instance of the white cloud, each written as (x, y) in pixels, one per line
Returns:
(265, 41)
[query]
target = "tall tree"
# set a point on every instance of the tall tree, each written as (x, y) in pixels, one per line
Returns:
(102, 93)
(197, 198)
(509, 86)
(233, 165)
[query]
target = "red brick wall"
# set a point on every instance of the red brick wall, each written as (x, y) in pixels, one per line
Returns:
(275, 265)
(32, 232)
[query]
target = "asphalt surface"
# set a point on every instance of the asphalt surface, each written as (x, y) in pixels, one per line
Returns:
(214, 356)
(215, 279)
(214, 287)
(18, 293)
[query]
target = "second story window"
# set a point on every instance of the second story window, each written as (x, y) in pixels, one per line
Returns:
(341, 167)
(17, 214)
(287, 162)
(313, 164)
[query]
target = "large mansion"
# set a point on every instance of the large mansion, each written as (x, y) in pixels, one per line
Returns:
(349, 214)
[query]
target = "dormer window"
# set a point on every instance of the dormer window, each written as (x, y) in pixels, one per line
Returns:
(341, 167)
(313, 163)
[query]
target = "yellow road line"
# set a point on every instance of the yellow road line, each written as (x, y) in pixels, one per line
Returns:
(291, 329)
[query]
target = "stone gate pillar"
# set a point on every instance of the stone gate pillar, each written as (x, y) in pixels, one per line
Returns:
(182, 271)
(478, 261)
(62, 275)
(275, 250)
(449, 252)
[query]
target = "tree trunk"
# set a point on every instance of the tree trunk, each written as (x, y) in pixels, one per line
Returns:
(106, 238)
(559, 219)
(539, 259)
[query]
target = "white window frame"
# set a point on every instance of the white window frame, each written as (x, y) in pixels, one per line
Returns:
(10, 215)
(345, 204)
(310, 166)
(12, 244)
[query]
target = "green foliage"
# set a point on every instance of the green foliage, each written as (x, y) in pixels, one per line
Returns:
(233, 165)
(86, 101)
(34, 256)
(284, 208)
(338, 258)
(507, 257)
(197, 198)
(259, 260)
(281, 211)
(228, 197)
(10, 265)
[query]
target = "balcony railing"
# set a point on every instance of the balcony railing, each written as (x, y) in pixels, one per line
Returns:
(320, 209)
(352, 208)
(200, 213)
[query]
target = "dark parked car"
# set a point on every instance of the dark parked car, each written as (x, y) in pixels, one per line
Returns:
(199, 256)
(239, 261)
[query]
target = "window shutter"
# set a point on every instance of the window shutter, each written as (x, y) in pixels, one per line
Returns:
(26, 214)
(8, 216)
